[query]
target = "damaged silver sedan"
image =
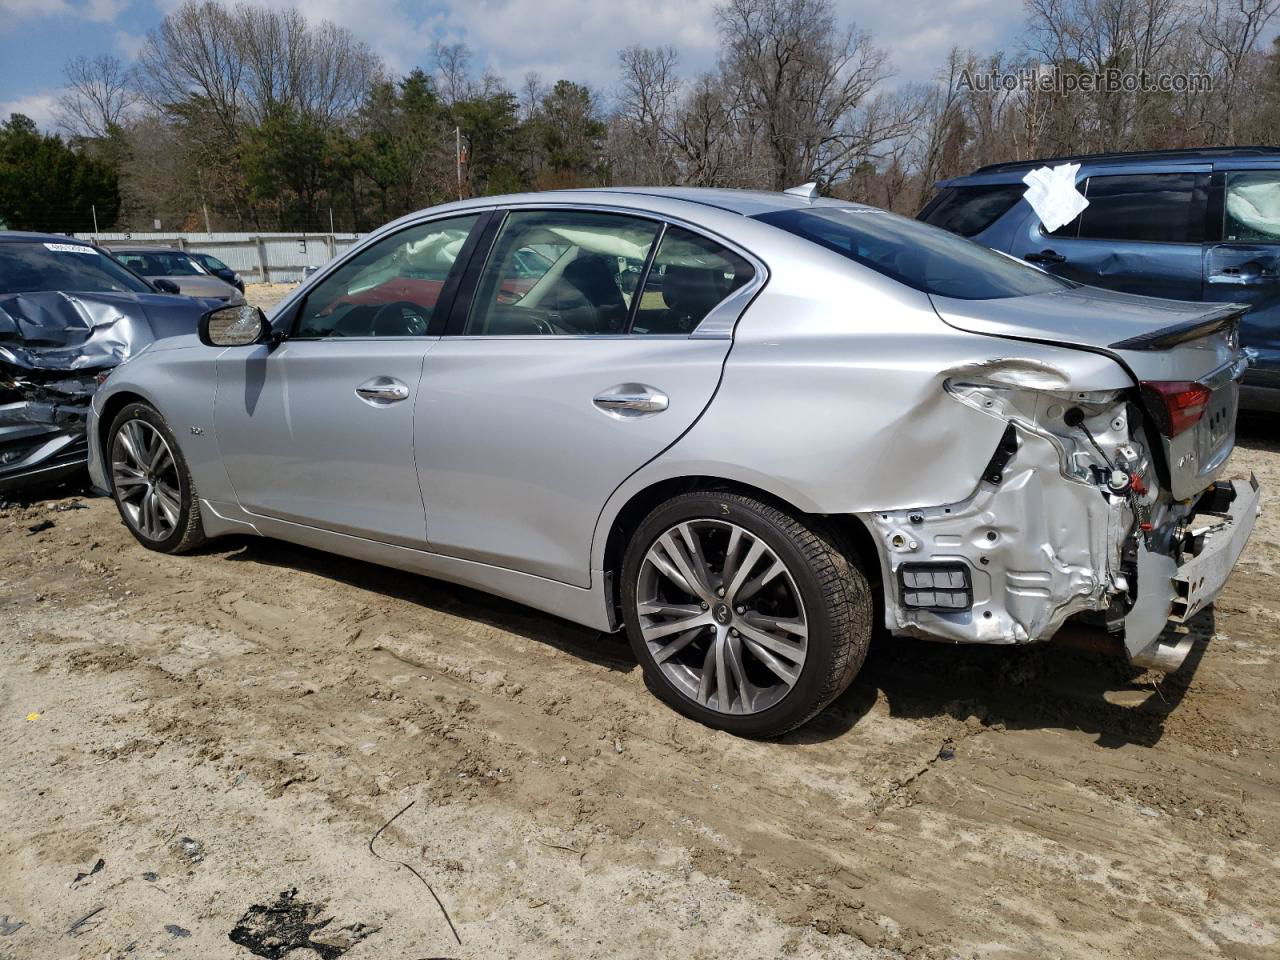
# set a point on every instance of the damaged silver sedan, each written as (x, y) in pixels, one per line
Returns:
(69, 314)
(734, 424)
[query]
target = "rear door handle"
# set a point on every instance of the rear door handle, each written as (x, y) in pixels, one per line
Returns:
(381, 391)
(631, 400)
(1044, 256)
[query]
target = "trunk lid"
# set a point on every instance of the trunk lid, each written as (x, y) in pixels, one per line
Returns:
(1185, 357)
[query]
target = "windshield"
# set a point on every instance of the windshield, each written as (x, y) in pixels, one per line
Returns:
(915, 253)
(210, 261)
(33, 267)
(161, 263)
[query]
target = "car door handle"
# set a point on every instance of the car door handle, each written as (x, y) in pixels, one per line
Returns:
(382, 390)
(1245, 274)
(1044, 256)
(631, 400)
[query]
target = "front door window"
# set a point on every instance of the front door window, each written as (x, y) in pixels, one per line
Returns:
(389, 289)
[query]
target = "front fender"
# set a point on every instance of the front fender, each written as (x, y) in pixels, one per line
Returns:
(181, 384)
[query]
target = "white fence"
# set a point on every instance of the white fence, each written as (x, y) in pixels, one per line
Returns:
(257, 257)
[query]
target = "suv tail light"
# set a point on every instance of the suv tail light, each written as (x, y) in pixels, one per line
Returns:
(1176, 405)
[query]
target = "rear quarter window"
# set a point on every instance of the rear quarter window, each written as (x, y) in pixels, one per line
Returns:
(968, 211)
(919, 255)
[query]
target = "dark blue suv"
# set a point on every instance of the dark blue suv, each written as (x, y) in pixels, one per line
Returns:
(1186, 224)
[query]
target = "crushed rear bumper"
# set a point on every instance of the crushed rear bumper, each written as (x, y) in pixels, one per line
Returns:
(1170, 594)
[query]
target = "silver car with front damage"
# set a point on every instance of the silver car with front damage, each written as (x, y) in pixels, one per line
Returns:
(736, 424)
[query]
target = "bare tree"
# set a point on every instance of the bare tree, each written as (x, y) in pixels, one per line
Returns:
(646, 99)
(243, 63)
(808, 83)
(532, 90)
(194, 53)
(100, 93)
(1230, 29)
(707, 140)
(453, 71)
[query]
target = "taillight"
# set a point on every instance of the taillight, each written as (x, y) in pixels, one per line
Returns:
(1175, 405)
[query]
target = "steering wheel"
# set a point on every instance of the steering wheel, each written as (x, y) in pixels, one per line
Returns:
(412, 316)
(544, 326)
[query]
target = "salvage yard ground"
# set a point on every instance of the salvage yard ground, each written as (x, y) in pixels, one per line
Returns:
(186, 741)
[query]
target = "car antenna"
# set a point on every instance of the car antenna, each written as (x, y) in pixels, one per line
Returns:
(809, 191)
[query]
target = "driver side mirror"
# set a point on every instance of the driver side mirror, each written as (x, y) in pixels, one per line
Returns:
(234, 327)
(165, 286)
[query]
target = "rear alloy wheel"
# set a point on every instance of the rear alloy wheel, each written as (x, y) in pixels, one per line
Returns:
(742, 616)
(150, 482)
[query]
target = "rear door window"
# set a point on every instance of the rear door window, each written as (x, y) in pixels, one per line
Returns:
(690, 275)
(1149, 207)
(970, 210)
(1252, 208)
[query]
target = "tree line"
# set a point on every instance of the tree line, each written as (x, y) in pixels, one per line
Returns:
(247, 118)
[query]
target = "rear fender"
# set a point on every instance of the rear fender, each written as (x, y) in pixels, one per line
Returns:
(1041, 537)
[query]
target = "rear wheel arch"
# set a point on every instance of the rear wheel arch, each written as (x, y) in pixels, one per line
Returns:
(849, 531)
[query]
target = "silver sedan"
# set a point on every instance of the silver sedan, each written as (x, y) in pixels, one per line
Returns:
(752, 429)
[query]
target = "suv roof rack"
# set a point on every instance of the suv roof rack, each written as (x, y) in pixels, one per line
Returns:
(1184, 153)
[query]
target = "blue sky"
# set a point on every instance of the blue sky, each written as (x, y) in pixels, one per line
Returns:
(573, 39)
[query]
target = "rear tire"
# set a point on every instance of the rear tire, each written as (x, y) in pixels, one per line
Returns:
(743, 616)
(150, 482)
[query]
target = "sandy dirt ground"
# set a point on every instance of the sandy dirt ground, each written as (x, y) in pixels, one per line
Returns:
(267, 295)
(198, 754)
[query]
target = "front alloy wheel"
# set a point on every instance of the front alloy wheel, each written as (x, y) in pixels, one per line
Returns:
(743, 616)
(145, 477)
(149, 478)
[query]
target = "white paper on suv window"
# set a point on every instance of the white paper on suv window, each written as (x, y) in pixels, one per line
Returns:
(70, 248)
(1052, 193)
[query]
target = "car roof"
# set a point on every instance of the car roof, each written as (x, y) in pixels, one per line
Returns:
(28, 236)
(745, 202)
(1135, 157)
(143, 248)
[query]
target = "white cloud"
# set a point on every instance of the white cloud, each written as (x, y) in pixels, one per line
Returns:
(580, 39)
(919, 36)
(38, 106)
(96, 11)
(127, 44)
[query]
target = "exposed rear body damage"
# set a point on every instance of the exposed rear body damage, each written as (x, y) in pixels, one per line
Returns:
(1098, 503)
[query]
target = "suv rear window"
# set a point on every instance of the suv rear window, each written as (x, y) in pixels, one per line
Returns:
(970, 210)
(915, 253)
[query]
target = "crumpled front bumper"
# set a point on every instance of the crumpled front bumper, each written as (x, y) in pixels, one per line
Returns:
(1169, 594)
(41, 442)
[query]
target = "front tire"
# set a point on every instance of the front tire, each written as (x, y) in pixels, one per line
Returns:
(150, 482)
(743, 616)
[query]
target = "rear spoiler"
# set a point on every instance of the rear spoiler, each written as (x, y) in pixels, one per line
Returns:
(1209, 322)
